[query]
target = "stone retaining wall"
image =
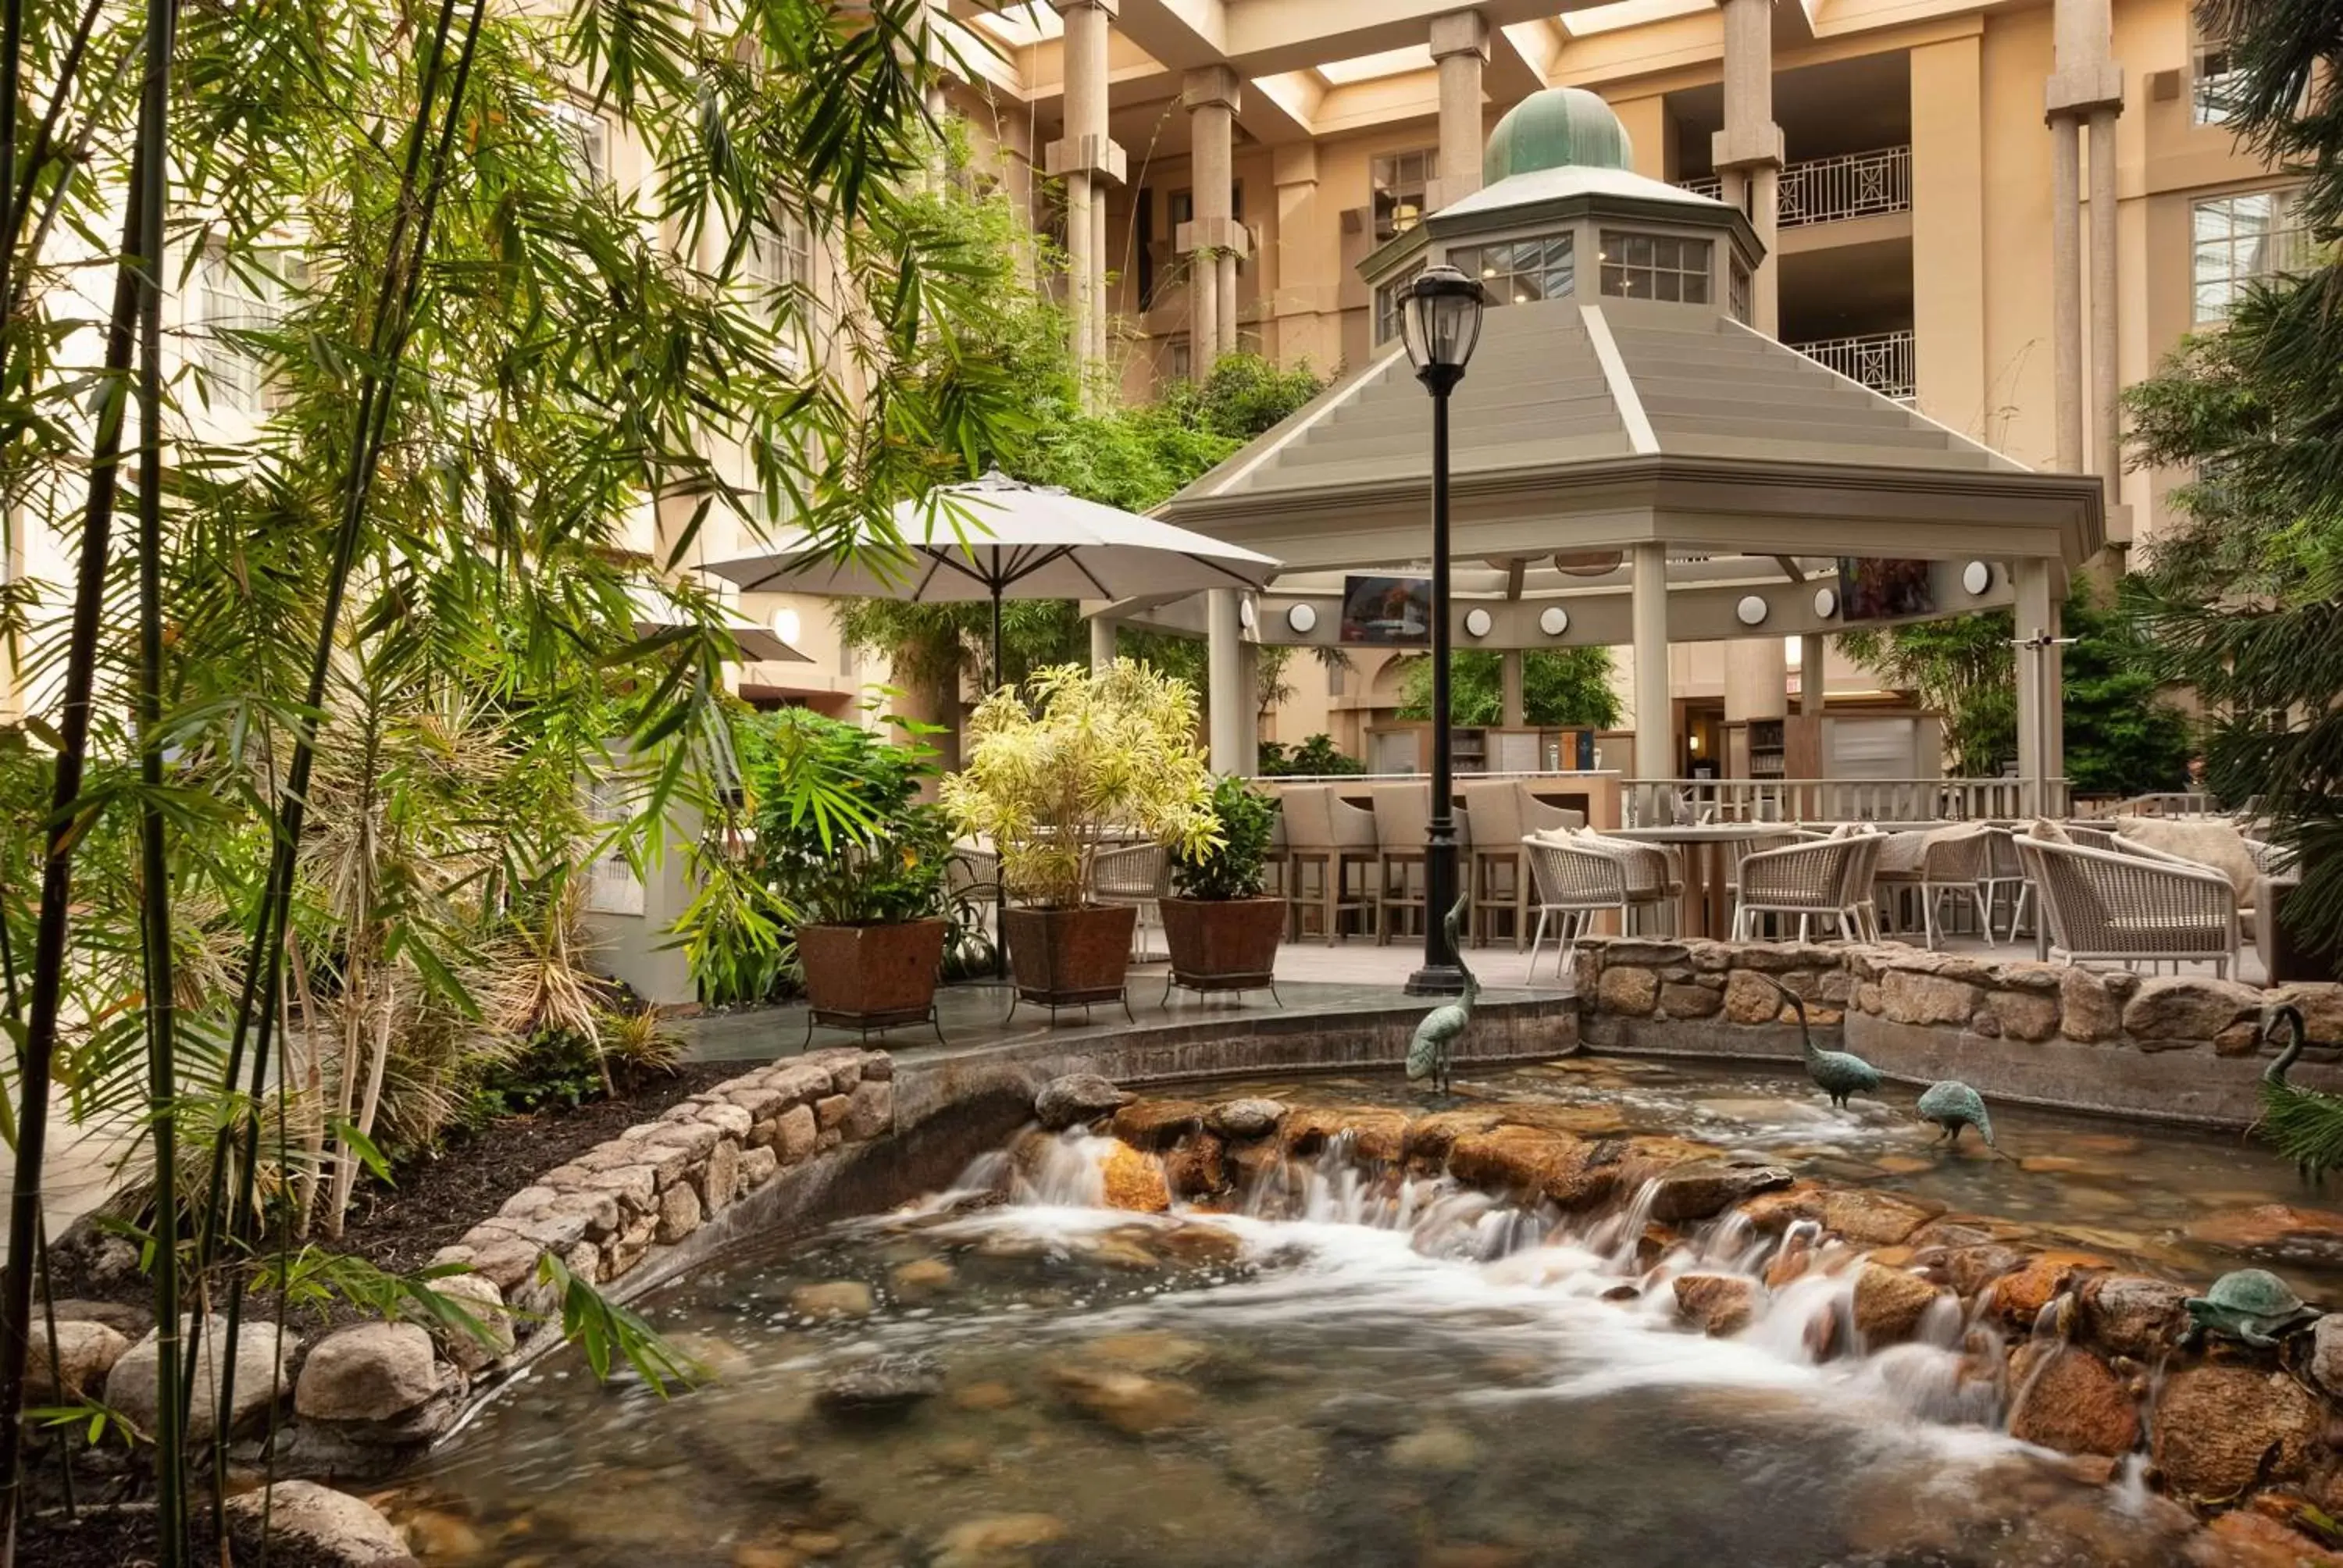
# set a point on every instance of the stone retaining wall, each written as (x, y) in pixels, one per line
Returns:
(2177, 1049)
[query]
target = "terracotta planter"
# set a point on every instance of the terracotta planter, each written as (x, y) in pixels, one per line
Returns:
(1223, 944)
(1062, 956)
(872, 977)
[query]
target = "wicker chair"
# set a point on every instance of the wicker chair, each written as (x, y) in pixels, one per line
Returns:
(1575, 880)
(1826, 877)
(1135, 874)
(2105, 906)
(1955, 862)
(2002, 870)
(1402, 815)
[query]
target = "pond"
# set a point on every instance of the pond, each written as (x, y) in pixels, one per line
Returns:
(1353, 1367)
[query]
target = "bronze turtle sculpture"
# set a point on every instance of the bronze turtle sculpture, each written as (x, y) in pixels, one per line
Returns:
(2251, 1306)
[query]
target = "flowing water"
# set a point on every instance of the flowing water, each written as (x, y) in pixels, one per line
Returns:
(1356, 1370)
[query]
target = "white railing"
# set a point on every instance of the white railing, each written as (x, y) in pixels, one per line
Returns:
(1826, 190)
(1657, 801)
(1882, 361)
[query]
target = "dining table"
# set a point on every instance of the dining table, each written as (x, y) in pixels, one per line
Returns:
(1707, 869)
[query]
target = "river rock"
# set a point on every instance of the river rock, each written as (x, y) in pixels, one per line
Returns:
(1430, 1138)
(2131, 1315)
(2021, 1294)
(1721, 1304)
(921, 1278)
(367, 1371)
(1890, 1304)
(263, 1374)
(1242, 1118)
(1076, 1098)
(2186, 1007)
(1749, 1000)
(2242, 1538)
(1627, 990)
(1532, 1161)
(679, 1213)
(719, 1179)
(1130, 1404)
(881, 1385)
(1376, 1132)
(1134, 1181)
(2278, 1233)
(1926, 999)
(83, 1351)
(1195, 1168)
(2071, 1400)
(870, 1108)
(335, 1525)
(2221, 1429)
(1157, 1123)
(1704, 1190)
(1869, 1217)
(2326, 1355)
(480, 1298)
(2023, 1015)
(2087, 1011)
(833, 1298)
(797, 1134)
(1687, 999)
(996, 1541)
(1440, 1447)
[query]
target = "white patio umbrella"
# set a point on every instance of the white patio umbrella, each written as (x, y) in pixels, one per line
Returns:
(998, 538)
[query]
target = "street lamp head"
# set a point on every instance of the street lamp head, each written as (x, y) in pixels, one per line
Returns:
(1440, 318)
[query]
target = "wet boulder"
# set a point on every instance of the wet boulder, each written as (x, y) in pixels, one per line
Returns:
(1721, 1304)
(1705, 1189)
(1130, 1404)
(1375, 1132)
(2218, 1430)
(881, 1385)
(2071, 1400)
(2131, 1315)
(1157, 1123)
(1134, 1181)
(1248, 1118)
(1077, 1098)
(1890, 1304)
(377, 1379)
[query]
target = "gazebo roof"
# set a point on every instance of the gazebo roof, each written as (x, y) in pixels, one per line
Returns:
(1589, 422)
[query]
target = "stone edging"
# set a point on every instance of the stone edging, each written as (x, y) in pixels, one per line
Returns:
(2173, 1048)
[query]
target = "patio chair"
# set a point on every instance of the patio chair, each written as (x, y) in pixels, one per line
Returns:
(1538, 817)
(1953, 863)
(1494, 870)
(2003, 871)
(1824, 878)
(1403, 814)
(1575, 880)
(2105, 906)
(1330, 838)
(1139, 875)
(1654, 873)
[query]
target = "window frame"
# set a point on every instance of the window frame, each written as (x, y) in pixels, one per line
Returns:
(1384, 179)
(1470, 260)
(2284, 238)
(1624, 269)
(219, 297)
(1385, 324)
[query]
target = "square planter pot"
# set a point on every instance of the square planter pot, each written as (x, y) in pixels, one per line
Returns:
(1062, 958)
(872, 977)
(1224, 944)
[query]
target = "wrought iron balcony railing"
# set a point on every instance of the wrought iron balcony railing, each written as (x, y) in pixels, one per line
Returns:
(1825, 190)
(1882, 361)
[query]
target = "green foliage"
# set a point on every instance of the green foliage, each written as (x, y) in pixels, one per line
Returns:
(1315, 757)
(556, 1067)
(841, 837)
(605, 1331)
(1963, 671)
(1053, 771)
(322, 1282)
(1562, 687)
(1234, 865)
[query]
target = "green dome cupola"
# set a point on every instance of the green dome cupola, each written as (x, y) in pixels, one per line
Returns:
(1560, 128)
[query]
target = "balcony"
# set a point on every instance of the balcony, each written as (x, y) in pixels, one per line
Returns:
(1882, 361)
(1827, 190)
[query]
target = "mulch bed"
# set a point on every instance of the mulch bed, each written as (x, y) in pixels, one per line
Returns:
(126, 1538)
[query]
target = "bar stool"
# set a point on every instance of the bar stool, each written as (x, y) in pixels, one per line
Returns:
(1326, 841)
(1494, 869)
(1402, 815)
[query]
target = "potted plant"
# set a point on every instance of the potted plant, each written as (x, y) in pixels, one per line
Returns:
(1094, 761)
(848, 849)
(1222, 933)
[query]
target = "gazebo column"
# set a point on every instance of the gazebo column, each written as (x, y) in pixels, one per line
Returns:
(1747, 152)
(1087, 159)
(1231, 714)
(1511, 712)
(1460, 45)
(1810, 673)
(1101, 644)
(1756, 679)
(1210, 240)
(1655, 740)
(2041, 745)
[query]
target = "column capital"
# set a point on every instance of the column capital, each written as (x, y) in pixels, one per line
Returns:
(1212, 87)
(1113, 8)
(1220, 235)
(1745, 147)
(2078, 91)
(1100, 155)
(1460, 32)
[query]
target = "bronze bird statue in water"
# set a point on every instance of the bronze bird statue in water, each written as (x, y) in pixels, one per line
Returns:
(1428, 1052)
(1953, 1105)
(2302, 1124)
(1839, 1073)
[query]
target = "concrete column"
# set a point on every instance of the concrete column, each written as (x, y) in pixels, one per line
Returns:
(1460, 45)
(2106, 387)
(1087, 159)
(2036, 611)
(1101, 644)
(1811, 694)
(1756, 679)
(1655, 737)
(1211, 241)
(1285, 263)
(1747, 152)
(1511, 712)
(2086, 86)
(1232, 704)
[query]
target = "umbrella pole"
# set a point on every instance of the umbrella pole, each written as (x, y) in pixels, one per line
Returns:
(1000, 886)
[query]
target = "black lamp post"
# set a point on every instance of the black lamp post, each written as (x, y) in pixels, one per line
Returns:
(1441, 320)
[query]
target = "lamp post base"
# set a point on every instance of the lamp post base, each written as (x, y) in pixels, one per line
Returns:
(1436, 979)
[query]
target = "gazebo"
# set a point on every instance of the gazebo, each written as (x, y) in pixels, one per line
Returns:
(1632, 464)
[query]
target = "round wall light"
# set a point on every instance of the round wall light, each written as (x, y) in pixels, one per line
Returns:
(1826, 603)
(787, 626)
(1478, 621)
(1300, 618)
(1554, 620)
(1976, 576)
(1751, 610)
(1245, 614)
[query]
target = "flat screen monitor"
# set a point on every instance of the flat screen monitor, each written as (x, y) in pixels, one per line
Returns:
(1387, 612)
(1872, 590)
